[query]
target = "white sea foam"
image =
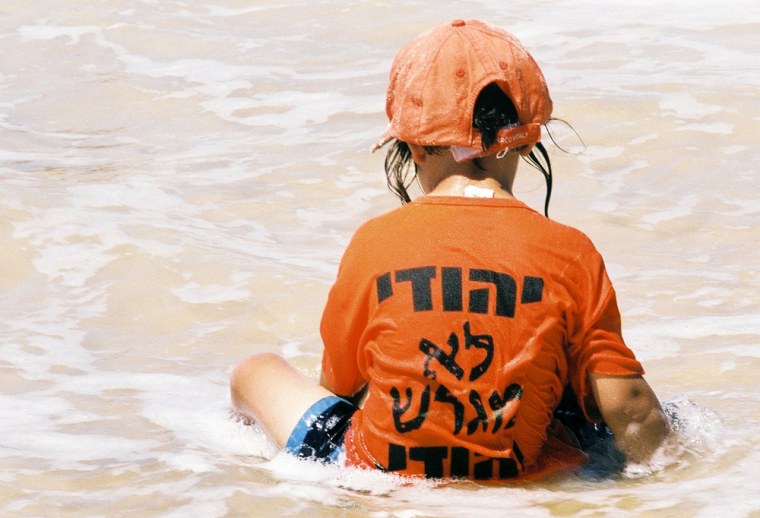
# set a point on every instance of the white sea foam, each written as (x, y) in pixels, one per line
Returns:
(191, 408)
(744, 208)
(194, 293)
(706, 326)
(48, 32)
(684, 208)
(684, 105)
(718, 128)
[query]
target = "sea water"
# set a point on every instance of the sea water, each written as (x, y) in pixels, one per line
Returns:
(179, 179)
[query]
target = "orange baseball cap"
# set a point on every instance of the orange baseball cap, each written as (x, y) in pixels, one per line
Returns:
(436, 78)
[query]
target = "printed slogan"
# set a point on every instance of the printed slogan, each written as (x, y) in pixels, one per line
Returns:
(493, 411)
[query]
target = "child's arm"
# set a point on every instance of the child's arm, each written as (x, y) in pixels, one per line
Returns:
(633, 413)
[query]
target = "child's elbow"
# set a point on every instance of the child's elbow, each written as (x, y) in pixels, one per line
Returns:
(641, 425)
(633, 413)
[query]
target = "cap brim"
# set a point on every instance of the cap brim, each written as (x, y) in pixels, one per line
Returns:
(387, 137)
(507, 138)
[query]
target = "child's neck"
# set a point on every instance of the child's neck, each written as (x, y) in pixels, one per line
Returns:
(460, 185)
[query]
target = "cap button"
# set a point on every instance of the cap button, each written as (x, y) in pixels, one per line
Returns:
(457, 23)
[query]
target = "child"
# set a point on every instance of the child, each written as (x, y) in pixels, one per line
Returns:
(458, 321)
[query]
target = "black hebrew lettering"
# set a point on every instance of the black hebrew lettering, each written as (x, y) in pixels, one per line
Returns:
(399, 410)
(483, 470)
(518, 454)
(443, 395)
(432, 457)
(506, 292)
(507, 468)
(484, 342)
(497, 403)
(451, 288)
(396, 457)
(480, 409)
(384, 287)
(479, 301)
(421, 292)
(533, 289)
(451, 280)
(448, 361)
(460, 462)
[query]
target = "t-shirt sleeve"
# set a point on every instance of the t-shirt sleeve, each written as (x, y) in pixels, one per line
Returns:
(595, 342)
(344, 320)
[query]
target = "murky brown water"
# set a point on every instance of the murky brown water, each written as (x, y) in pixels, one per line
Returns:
(178, 181)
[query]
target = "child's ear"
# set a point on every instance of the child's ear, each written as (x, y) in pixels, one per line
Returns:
(418, 153)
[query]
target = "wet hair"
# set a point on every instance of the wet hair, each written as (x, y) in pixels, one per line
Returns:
(493, 111)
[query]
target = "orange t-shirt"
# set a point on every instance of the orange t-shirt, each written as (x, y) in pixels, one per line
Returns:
(466, 317)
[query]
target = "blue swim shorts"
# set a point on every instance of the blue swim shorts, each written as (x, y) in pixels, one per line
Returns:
(321, 430)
